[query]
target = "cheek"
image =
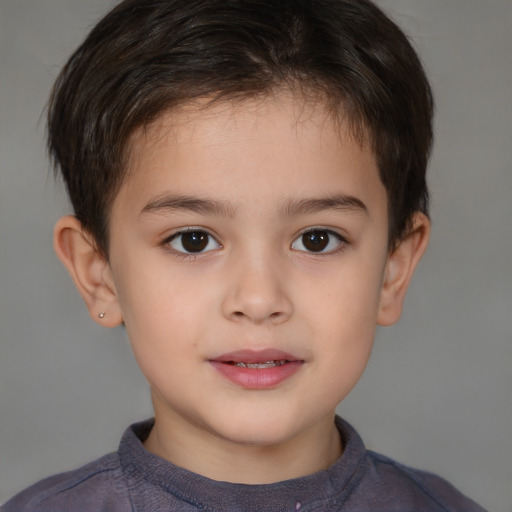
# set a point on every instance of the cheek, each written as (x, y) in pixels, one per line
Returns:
(164, 314)
(345, 316)
(162, 339)
(348, 294)
(346, 331)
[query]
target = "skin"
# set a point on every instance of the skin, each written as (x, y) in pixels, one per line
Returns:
(267, 167)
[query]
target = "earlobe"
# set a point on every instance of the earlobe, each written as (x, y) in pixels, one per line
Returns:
(400, 267)
(89, 270)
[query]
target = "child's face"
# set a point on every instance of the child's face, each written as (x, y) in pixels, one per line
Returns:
(248, 249)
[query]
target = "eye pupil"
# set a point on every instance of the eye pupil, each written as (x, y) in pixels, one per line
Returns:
(194, 241)
(315, 241)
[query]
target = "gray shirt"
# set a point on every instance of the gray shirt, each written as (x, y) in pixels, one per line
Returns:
(133, 479)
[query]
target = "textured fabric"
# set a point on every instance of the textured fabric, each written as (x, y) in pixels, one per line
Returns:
(135, 480)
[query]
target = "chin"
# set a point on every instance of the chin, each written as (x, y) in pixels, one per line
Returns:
(258, 429)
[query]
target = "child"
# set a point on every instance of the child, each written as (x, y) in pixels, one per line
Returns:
(248, 180)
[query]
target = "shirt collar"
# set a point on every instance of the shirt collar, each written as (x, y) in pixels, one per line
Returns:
(323, 489)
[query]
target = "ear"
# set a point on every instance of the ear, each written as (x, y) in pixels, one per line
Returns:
(400, 267)
(89, 269)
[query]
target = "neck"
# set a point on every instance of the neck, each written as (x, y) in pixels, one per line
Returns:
(214, 457)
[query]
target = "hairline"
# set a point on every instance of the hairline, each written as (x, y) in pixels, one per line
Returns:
(308, 95)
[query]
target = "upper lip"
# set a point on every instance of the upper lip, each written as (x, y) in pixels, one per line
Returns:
(255, 356)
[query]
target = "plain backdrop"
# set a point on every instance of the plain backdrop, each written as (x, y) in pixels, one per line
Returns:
(437, 393)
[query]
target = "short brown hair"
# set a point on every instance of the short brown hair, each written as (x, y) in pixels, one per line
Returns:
(148, 56)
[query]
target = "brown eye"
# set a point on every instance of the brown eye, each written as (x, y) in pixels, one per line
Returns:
(315, 241)
(319, 241)
(193, 242)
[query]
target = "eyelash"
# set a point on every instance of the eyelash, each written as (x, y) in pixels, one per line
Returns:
(342, 242)
(190, 254)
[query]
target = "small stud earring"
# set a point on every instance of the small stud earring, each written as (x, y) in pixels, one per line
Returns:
(101, 314)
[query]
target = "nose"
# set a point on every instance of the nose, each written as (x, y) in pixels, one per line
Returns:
(256, 292)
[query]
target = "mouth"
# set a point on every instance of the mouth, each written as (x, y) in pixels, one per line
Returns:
(257, 369)
(266, 364)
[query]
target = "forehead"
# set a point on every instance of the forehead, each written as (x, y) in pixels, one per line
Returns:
(211, 116)
(182, 122)
(272, 140)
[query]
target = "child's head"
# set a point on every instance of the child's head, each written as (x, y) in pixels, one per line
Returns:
(240, 171)
(146, 58)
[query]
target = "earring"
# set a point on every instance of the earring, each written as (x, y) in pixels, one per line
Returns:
(101, 314)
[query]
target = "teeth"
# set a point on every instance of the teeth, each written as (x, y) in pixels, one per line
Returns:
(266, 364)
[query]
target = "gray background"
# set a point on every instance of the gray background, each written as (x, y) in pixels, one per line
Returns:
(438, 390)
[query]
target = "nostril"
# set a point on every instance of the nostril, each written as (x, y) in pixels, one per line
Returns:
(256, 306)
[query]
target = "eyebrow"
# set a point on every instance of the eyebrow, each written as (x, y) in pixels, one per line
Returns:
(341, 202)
(171, 203)
(292, 207)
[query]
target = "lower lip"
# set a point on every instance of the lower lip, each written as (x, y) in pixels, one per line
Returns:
(257, 378)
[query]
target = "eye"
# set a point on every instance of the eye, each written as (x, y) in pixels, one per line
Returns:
(319, 241)
(193, 241)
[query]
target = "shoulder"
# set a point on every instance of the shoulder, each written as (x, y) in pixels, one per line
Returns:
(97, 486)
(419, 490)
